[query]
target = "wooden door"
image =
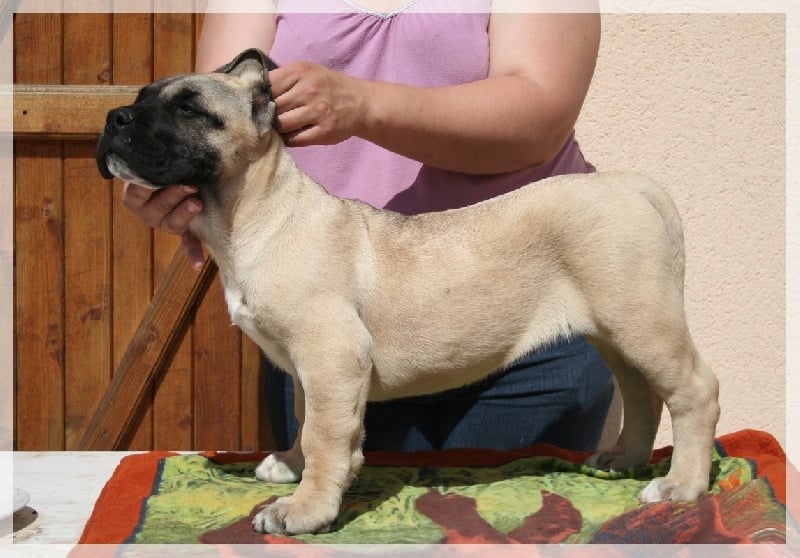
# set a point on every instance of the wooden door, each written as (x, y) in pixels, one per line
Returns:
(86, 269)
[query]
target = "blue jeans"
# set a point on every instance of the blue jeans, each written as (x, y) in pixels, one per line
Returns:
(559, 394)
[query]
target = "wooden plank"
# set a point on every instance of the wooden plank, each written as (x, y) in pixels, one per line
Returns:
(153, 345)
(87, 219)
(256, 427)
(173, 405)
(39, 323)
(87, 288)
(173, 38)
(38, 213)
(217, 364)
(87, 44)
(37, 48)
(132, 258)
(66, 112)
(132, 57)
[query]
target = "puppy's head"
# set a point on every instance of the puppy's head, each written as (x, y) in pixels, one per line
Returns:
(193, 129)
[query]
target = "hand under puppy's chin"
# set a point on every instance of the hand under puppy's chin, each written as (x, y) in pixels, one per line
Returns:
(140, 184)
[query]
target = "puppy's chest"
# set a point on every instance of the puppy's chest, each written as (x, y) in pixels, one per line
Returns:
(243, 317)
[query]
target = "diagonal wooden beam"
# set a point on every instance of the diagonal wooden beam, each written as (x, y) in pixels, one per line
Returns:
(148, 354)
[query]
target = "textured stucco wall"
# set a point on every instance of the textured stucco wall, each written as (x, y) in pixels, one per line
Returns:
(697, 101)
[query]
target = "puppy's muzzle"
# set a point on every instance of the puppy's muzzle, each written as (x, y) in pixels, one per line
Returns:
(117, 120)
(115, 152)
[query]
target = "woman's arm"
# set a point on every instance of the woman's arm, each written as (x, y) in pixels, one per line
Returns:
(540, 69)
(224, 36)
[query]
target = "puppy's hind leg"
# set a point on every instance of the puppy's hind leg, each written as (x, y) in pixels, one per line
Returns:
(661, 348)
(691, 395)
(642, 412)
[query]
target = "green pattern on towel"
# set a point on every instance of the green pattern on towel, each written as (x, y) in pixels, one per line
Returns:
(535, 499)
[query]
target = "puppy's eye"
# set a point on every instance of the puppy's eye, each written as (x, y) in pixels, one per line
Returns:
(189, 110)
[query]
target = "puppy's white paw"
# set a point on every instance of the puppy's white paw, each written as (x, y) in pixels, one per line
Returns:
(292, 516)
(281, 468)
(663, 489)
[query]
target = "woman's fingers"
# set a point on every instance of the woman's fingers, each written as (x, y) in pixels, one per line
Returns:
(193, 249)
(169, 209)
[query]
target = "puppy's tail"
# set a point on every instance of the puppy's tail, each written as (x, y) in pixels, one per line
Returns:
(673, 226)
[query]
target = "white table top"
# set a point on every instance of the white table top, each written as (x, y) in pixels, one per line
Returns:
(63, 488)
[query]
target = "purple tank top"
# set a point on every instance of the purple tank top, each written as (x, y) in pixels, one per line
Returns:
(413, 46)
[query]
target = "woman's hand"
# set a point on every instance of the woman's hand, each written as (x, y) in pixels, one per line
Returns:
(316, 106)
(169, 209)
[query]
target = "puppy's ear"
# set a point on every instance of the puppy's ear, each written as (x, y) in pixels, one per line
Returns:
(248, 60)
(263, 109)
(256, 62)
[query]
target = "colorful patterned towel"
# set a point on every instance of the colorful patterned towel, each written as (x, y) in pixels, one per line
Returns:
(539, 495)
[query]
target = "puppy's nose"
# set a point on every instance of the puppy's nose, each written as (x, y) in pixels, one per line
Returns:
(119, 118)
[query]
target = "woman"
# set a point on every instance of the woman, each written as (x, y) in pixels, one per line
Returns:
(412, 109)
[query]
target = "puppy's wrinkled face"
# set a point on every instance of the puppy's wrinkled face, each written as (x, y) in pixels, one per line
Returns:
(193, 129)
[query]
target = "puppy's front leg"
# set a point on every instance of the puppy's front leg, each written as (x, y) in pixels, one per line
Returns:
(331, 440)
